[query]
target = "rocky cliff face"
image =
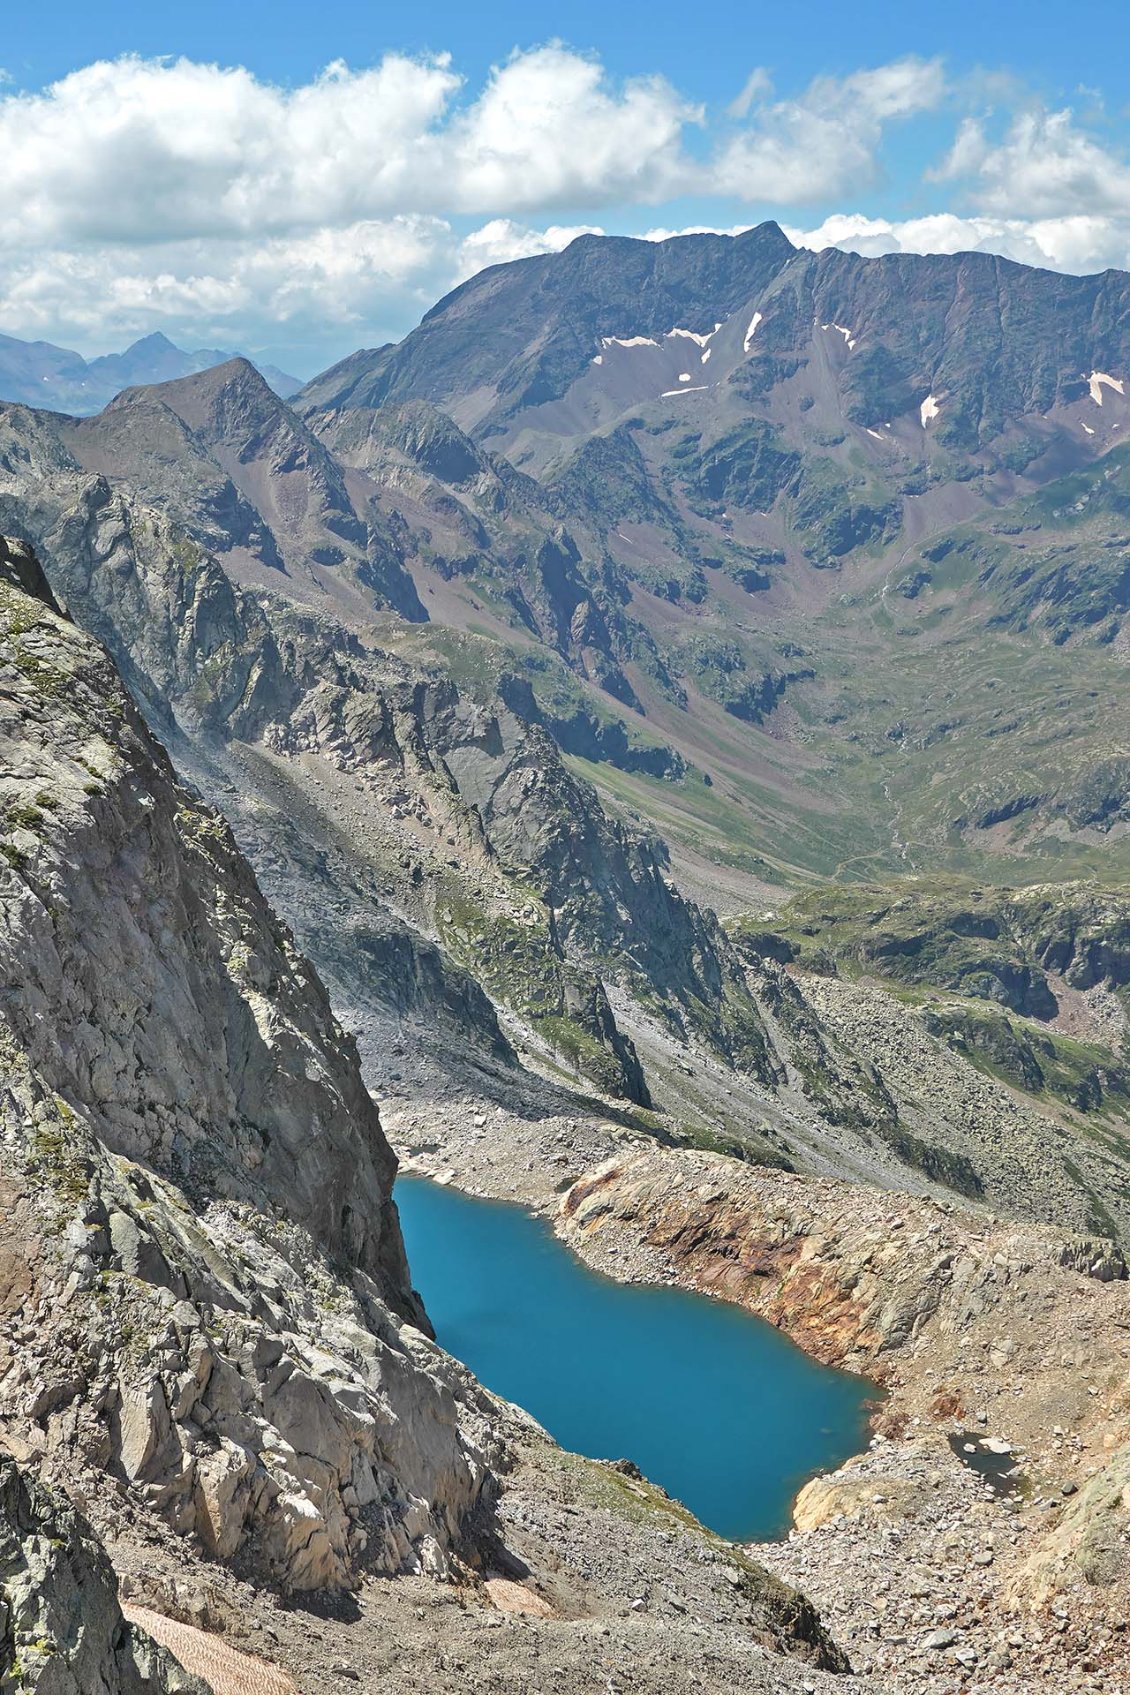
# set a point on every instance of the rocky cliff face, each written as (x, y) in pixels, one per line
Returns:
(61, 1627)
(435, 854)
(206, 1274)
(200, 1041)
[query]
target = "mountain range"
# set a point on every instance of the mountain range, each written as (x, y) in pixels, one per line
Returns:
(825, 499)
(676, 701)
(643, 582)
(39, 374)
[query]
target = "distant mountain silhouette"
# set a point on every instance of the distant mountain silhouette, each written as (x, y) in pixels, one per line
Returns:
(40, 374)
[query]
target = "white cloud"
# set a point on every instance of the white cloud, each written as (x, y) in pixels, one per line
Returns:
(137, 151)
(825, 142)
(227, 288)
(546, 131)
(661, 233)
(502, 240)
(312, 289)
(758, 82)
(143, 150)
(1045, 166)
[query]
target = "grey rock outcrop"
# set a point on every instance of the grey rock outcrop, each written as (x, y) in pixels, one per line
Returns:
(188, 1027)
(202, 1280)
(61, 1627)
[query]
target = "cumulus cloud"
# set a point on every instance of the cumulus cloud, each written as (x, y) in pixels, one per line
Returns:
(331, 273)
(825, 142)
(502, 240)
(1045, 166)
(144, 150)
(547, 132)
(757, 83)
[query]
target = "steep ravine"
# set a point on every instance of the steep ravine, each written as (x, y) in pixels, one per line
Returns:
(207, 1335)
(489, 929)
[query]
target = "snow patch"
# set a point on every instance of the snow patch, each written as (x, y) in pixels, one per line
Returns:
(928, 409)
(693, 335)
(751, 332)
(1088, 429)
(599, 360)
(876, 434)
(707, 354)
(1095, 383)
(628, 341)
(684, 376)
(846, 333)
(699, 388)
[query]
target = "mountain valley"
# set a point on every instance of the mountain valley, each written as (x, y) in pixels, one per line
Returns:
(676, 702)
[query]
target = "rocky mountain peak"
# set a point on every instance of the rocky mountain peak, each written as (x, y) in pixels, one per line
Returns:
(155, 342)
(539, 321)
(205, 397)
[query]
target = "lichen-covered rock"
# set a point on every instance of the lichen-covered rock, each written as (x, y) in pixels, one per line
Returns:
(61, 1627)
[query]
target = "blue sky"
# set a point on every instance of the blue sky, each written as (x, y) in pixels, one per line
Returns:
(286, 40)
(195, 169)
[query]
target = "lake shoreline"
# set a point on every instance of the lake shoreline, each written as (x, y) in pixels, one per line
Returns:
(622, 1371)
(965, 1319)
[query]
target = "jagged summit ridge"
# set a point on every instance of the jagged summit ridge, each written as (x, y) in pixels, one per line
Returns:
(536, 322)
(998, 340)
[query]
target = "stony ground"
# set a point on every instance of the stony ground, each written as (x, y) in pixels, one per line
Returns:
(913, 1562)
(609, 1587)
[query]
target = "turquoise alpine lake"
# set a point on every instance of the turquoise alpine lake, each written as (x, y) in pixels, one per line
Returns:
(716, 1406)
